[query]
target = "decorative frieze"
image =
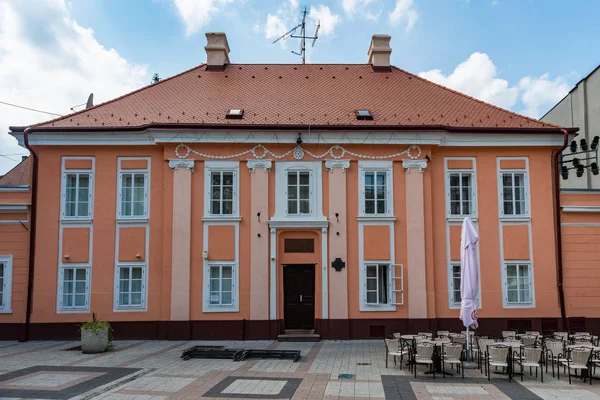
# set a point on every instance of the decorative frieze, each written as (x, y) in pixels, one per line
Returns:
(175, 164)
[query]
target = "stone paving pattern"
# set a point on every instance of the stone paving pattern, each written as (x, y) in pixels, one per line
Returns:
(153, 370)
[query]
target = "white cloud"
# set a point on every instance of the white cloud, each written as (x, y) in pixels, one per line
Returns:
(197, 13)
(539, 94)
(404, 12)
(362, 8)
(49, 62)
(477, 77)
(323, 15)
(274, 27)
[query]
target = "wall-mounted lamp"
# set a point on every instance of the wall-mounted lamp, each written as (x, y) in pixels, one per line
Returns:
(138, 256)
(337, 217)
(258, 216)
(427, 158)
(67, 257)
(205, 255)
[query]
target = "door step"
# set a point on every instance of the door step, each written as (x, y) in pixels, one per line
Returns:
(299, 335)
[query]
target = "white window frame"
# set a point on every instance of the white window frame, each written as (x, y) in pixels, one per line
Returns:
(6, 263)
(520, 304)
(527, 204)
(234, 306)
(74, 309)
(220, 267)
(133, 172)
(461, 172)
(385, 167)
(117, 287)
(315, 217)
(451, 287)
(389, 286)
(297, 172)
(221, 166)
(63, 190)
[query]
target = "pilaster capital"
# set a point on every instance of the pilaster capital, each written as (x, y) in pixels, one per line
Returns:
(188, 163)
(253, 164)
(409, 164)
(343, 164)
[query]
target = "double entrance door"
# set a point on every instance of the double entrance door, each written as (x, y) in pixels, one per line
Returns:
(299, 296)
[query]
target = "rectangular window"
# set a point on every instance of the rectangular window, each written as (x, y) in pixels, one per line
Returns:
(133, 195)
(461, 193)
(514, 194)
(518, 284)
(74, 288)
(454, 288)
(220, 285)
(131, 286)
(377, 279)
(222, 191)
(5, 283)
(298, 192)
(77, 195)
(376, 192)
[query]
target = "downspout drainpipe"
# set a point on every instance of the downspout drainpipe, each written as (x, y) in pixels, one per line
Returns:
(557, 221)
(32, 228)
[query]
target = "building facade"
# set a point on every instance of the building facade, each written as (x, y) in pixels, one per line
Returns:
(238, 201)
(580, 202)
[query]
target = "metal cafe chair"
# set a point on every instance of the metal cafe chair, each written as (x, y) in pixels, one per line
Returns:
(443, 334)
(578, 359)
(424, 355)
(498, 356)
(453, 354)
(529, 340)
(554, 351)
(482, 344)
(509, 335)
(531, 357)
(394, 348)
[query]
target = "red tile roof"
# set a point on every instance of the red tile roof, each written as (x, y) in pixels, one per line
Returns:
(19, 175)
(287, 95)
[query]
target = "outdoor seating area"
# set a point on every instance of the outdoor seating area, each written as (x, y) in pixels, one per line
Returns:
(511, 354)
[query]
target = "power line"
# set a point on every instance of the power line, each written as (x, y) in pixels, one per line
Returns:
(30, 109)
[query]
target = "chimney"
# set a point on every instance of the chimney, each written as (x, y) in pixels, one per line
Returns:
(217, 51)
(379, 53)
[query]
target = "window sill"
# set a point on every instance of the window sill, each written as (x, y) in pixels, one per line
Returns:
(122, 220)
(73, 311)
(218, 218)
(518, 218)
(299, 222)
(377, 308)
(369, 218)
(216, 309)
(5, 311)
(130, 309)
(76, 220)
(524, 305)
(460, 218)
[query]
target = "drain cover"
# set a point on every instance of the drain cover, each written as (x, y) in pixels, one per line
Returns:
(363, 363)
(345, 376)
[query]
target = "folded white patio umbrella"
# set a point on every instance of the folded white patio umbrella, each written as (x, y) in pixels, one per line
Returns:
(469, 273)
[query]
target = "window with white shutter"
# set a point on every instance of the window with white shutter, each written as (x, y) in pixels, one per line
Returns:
(461, 193)
(221, 189)
(5, 283)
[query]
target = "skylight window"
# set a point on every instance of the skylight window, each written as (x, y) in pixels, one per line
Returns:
(363, 114)
(235, 113)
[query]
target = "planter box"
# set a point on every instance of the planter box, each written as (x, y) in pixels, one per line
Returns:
(92, 342)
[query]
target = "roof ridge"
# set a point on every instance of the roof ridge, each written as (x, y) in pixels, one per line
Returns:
(477, 100)
(118, 98)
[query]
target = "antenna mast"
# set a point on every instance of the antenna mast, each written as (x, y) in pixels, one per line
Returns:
(302, 36)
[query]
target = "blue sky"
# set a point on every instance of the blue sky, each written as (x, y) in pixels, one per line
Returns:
(519, 54)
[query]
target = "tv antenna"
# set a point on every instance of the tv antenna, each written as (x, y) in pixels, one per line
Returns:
(302, 36)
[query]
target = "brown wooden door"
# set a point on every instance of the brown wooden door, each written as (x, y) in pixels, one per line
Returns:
(299, 296)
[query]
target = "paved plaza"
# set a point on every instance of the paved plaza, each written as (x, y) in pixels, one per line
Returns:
(153, 370)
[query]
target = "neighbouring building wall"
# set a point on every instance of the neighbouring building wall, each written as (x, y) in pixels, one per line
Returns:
(580, 108)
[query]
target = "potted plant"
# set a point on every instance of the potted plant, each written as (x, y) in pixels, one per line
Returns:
(96, 335)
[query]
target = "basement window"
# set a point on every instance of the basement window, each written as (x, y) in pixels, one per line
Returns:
(363, 114)
(235, 113)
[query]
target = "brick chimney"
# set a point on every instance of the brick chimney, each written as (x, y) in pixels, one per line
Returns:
(217, 51)
(379, 53)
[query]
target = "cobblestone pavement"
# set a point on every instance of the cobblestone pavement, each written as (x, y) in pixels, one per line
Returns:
(153, 370)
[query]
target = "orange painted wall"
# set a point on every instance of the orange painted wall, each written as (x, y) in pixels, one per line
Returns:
(221, 242)
(14, 197)
(455, 238)
(376, 240)
(75, 245)
(14, 241)
(132, 242)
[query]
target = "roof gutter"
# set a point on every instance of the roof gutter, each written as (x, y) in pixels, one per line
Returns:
(298, 127)
(32, 230)
(558, 229)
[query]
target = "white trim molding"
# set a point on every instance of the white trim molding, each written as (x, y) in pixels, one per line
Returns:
(14, 188)
(409, 164)
(581, 209)
(254, 164)
(177, 163)
(14, 208)
(6, 266)
(343, 164)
